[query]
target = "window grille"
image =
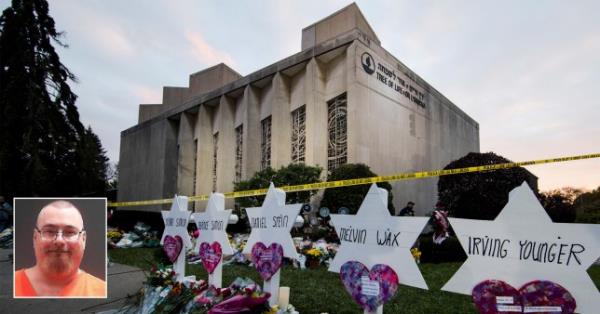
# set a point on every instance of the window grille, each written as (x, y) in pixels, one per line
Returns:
(214, 170)
(239, 142)
(299, 134)
(195, 172)
(265, 144)
(337, 151)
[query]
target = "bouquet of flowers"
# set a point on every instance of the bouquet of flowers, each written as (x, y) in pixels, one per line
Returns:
(243, 295)
(290, 309)
(416, 254)
(313, 253)
(114, 235)
(161, 276)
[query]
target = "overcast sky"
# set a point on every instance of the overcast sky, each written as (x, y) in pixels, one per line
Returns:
(527, 71)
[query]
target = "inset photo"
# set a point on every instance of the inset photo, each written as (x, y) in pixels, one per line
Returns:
(60, 248)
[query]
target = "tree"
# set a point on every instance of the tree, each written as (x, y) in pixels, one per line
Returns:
(559, 204)
(292, 174)
(351, 197)
(587, 206)
(92, 158)
(40, 133)
(480, 195)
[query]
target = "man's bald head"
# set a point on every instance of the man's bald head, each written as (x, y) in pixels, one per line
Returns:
(62, 205)
(59, 257)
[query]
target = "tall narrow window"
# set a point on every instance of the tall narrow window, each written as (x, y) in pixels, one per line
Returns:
(337, 151)
(195, 172)
(265, 143)
(239, 142)
(298, 134)
(215, 149)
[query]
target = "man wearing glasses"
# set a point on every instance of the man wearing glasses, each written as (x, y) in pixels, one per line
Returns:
(59, 244)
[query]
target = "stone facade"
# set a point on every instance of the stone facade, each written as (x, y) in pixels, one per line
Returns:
(342, 99)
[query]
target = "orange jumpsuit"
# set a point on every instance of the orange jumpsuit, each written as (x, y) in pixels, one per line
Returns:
(85, 285)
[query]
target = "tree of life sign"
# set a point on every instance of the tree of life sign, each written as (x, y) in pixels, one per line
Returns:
(521, 255)
(175, 239)
(373, 238)
(212, 243)
(270, 239)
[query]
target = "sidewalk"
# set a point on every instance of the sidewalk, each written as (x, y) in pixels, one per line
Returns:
(123, 281)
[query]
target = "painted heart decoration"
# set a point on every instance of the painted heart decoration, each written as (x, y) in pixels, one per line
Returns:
(539, 296)
(547, 294)
(211, 255)
(267, 260)
(172, 247)
(369, 289)
(495, 296)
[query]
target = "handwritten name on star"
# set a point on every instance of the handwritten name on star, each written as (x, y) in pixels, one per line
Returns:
(279, 221)
(379, 237)
(558, 252)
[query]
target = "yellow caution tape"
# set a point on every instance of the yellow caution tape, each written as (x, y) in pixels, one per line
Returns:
(360, 181)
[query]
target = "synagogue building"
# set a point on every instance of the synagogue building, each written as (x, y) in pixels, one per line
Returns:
(341, 99)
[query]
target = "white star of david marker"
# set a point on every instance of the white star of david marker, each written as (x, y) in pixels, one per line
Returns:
(373, 236)
(176, 221)
(273, 222)
(523, 244)
(212, 224)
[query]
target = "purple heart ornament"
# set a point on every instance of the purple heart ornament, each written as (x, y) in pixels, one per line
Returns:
(172, 247)
(539, 296)
(547, 297)
(211, 255)
(267, 260)
(496, 296)
(369, 289)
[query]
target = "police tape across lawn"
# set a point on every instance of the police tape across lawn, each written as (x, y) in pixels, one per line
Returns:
(360, 181)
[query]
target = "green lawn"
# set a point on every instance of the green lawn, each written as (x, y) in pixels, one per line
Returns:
(317, 291)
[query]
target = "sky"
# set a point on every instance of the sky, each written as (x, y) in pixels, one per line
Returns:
(527, 71)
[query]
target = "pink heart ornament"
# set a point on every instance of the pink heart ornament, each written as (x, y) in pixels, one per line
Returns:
(369, 289)
(496, 296)
(546, 297)
(172, 247)
(267, 260)
(211, 255)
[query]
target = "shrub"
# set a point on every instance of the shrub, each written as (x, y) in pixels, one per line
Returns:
(480, 195)
(352, 196)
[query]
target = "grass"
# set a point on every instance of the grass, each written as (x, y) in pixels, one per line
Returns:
(318, 290)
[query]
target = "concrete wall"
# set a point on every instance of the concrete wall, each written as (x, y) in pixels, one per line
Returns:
(148, 163)
(147, 112)
(340, 22)
(393, 134)
(211, 78)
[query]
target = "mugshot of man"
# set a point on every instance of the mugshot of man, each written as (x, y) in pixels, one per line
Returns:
(59, 242)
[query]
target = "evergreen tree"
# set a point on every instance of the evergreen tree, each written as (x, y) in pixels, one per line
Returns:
(92, 158)
(40, 131)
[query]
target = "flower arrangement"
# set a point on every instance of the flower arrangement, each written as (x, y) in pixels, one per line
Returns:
(242, 294)
(114, 235)
(161, 276)
(416, 254)
(313, 253)
(290, 309)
